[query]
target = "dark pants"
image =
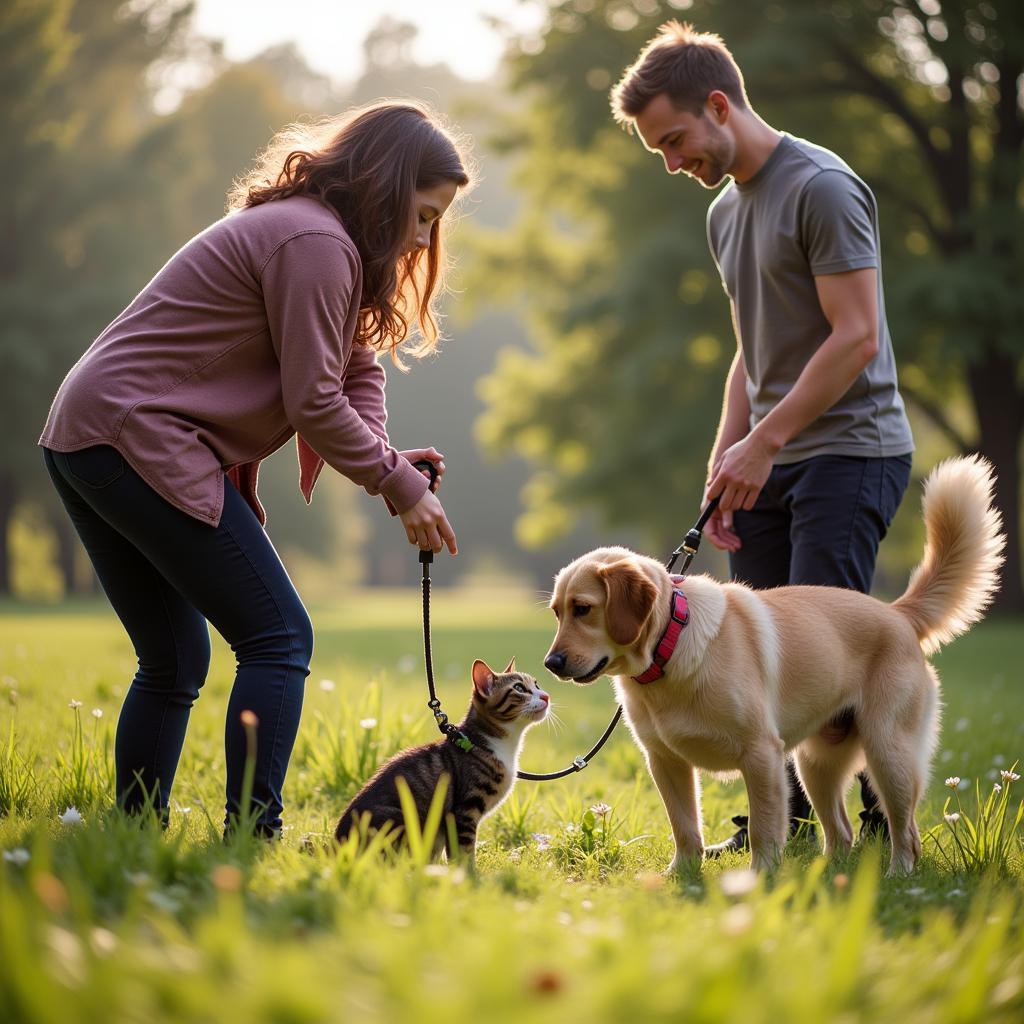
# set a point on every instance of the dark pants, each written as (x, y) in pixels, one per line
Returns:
(819, 522)
(166, 574)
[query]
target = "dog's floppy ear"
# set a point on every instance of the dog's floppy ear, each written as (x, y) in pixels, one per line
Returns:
(631, 597)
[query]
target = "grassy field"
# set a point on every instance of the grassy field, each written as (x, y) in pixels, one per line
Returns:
(568, 917)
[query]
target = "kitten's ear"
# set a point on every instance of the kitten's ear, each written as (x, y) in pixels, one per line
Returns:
(510, 667)
(483, 678)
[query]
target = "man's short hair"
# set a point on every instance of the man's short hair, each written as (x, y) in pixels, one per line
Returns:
(685, 65)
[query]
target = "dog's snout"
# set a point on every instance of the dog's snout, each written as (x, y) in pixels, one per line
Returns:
(555, 663)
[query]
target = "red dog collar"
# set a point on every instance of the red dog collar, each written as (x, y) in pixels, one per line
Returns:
(679, 615)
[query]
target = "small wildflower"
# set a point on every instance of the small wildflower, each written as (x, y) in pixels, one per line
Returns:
(997, 788)
(226, 878)
(953, 781)
(327, 685)
(103, 942)
(737, 919)
(601, 809)
(953, 818)
(406, 664)
(650, 881)
(75, 704)
(19, 856)
(542, 840)
(546, 982)
(916, 891)
(367, 723)
(841, 881)
(1009, 776)
(738, 883)
(97, 713)
(71, 816)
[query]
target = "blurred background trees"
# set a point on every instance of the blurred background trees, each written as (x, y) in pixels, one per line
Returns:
(617, 404)
(578, 396)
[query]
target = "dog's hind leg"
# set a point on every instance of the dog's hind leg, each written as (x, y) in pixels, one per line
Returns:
(764, 772)
(826, 770)
(897, 744)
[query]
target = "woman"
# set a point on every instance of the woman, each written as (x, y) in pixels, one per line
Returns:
(264, 326)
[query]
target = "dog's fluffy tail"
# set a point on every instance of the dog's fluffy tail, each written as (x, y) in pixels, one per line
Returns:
(954, 584)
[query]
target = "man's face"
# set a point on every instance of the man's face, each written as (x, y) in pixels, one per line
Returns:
(696, 145)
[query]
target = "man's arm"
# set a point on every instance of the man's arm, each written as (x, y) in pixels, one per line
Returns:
(733, 426)
(850, 304)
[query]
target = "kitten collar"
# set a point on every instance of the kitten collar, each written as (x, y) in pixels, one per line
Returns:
(679, 616)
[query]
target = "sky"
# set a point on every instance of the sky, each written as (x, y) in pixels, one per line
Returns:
(330, 33)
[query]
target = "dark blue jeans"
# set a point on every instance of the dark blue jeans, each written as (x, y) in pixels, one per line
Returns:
(819, 522)
(166, 574)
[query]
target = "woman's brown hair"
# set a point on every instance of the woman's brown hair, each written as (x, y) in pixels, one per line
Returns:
(367, 165)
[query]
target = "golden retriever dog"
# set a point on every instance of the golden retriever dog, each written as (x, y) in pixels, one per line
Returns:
(836, 677)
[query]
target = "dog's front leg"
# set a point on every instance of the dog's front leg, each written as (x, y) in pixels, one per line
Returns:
(764, 771)
(679, 787)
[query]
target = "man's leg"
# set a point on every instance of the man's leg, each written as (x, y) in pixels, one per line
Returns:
(842, 508)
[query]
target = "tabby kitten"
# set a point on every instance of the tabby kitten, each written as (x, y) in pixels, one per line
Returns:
(502, 708)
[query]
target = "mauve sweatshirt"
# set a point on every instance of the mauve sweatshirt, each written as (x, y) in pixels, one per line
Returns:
(242, 340)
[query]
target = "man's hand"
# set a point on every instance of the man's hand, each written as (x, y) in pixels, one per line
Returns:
(739, 473)
(719, 530)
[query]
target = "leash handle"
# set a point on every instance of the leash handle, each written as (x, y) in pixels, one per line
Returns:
(426, 466)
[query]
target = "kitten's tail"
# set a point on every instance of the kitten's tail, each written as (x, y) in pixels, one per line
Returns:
(959, 573)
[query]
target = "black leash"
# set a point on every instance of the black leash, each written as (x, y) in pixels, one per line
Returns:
(688, 548)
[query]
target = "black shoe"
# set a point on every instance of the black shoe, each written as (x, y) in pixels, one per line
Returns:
(873, 824)
(736, 843)
(739, 841)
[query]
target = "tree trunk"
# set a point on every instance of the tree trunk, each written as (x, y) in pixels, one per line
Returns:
(998, 407)
(8, 496)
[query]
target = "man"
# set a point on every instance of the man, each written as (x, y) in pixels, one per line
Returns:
(813, 449)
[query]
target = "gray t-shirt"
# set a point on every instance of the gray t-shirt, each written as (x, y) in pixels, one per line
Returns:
(805, 214)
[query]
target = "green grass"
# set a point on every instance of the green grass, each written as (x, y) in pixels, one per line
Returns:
(568, 916)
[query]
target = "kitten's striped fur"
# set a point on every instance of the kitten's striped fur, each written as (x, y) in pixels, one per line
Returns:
(503, 706)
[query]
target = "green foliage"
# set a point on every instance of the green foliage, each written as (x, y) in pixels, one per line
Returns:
(84, 773)
(989, 839)
(112, 918)
(18, 782)
(617, 405)
(344, 750)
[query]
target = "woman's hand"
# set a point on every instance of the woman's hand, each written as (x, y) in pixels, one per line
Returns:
(431, 455)
(426, 525)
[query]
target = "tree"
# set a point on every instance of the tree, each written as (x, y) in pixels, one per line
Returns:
(617, 406)
(63, 142)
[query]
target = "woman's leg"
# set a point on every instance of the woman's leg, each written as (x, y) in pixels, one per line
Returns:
(171, 640)
(232, 576)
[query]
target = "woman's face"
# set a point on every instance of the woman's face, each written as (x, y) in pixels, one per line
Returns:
(429, 206)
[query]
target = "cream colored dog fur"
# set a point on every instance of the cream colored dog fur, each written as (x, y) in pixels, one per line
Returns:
(758, 674)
